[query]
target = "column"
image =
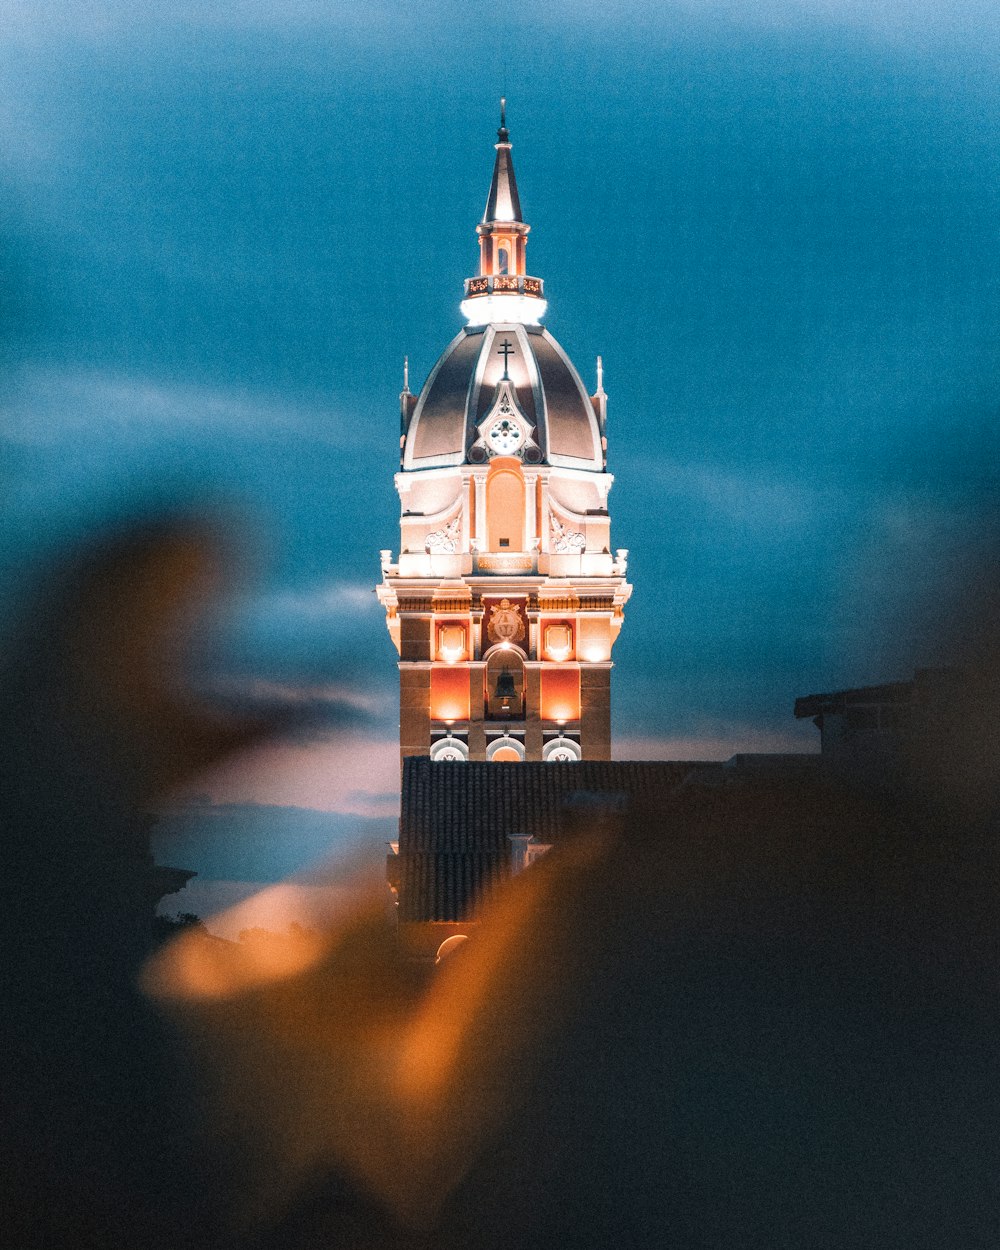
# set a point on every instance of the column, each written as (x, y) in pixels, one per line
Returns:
(546, 527)
(477, 713)
(530, 504)
(480, 480)
(533, 712)
(414, 709)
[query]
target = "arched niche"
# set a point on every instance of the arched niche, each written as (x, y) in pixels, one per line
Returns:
(505, 491)
(562, 751)
(449, 749)
(504, 676)
(505, 751)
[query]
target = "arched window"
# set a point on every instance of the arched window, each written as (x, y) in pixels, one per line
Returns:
(503, 259)
(505, 505)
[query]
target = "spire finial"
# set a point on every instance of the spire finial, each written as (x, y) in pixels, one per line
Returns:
(503, 134)
(406, 373)
(600, 374)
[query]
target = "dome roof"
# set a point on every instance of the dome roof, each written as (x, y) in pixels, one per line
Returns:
(504, 363)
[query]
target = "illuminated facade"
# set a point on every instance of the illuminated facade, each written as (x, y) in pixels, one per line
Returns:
(506, 598)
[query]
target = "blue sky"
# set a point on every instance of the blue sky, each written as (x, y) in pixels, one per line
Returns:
(222, 226)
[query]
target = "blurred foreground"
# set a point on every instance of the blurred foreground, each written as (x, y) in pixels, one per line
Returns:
(760, 1014)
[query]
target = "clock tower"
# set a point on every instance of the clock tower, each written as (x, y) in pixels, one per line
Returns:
(506, 598)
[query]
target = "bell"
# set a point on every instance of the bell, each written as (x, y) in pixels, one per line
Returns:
(505, 688)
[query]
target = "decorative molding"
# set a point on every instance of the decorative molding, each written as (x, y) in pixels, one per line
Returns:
(564, 539)
(444, 541)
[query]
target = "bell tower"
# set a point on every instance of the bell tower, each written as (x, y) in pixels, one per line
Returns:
(505, 600)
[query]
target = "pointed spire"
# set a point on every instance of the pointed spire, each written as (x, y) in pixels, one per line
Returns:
(503, 203)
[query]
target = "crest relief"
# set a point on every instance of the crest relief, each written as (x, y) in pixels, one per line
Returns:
(505, 623)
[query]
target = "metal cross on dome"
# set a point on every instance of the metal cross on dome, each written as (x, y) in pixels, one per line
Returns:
(505, 349)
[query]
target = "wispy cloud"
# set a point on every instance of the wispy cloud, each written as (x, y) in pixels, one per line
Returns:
(753, 496)
(324, 600)
(349, 773)
(287, 694)
(54, 404)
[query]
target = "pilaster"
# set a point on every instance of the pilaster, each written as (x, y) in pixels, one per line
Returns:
(595, 711)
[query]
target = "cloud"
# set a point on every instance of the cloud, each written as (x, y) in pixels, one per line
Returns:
(755, 496)
(54, 404)
(326, 600)
(351, 774)
(302, 713)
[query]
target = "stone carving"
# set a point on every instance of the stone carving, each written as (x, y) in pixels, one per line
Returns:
(564, 539)
(444, 541)
(505, 623)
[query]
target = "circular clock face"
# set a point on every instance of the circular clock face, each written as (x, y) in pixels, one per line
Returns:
(505, 435)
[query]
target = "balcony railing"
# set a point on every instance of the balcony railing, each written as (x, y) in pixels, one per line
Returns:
(504, 284)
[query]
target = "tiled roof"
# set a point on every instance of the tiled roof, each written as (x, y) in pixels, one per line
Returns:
(456, 819)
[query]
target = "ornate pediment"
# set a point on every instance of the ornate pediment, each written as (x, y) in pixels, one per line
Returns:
(505, 430)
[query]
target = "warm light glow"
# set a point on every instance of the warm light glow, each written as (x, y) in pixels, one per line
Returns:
(192, 968)
(505, 645)
(560, 694)
(593, 642)
(451, 643)
(525, 310)
(449, 694)
(558, 642)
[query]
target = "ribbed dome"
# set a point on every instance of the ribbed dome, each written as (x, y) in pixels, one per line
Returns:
(465, 386)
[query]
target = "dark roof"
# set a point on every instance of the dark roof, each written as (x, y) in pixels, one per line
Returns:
(456, 820)
(929, 686)
(462, 387)
(894, 692)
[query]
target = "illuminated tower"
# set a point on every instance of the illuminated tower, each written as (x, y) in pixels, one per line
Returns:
(506, 599)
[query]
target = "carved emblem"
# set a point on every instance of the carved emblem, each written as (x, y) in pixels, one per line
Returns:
(505, 623)
(444, 541)
(564, 539)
